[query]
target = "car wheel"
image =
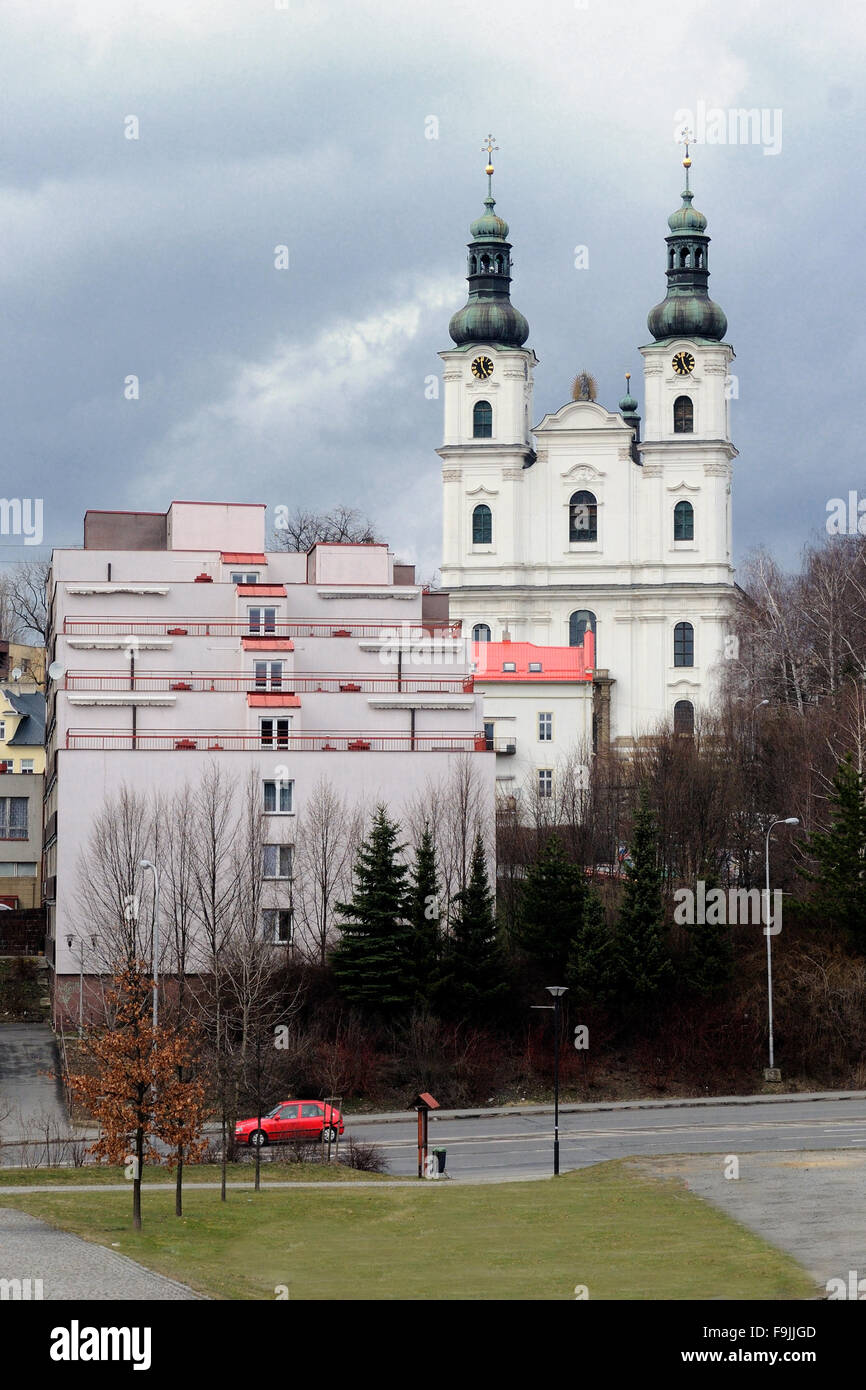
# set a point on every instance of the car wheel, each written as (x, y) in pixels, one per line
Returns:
(258, 1139)
(329, 1135)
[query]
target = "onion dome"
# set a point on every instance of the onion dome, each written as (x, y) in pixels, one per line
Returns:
(488, 316)
(687, 310)
(628, 404)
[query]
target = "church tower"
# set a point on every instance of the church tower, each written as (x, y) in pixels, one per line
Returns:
(487, 379)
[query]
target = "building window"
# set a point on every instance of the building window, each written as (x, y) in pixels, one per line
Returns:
(13, 817)
(279, 797)
(578, 624)
(27, 764)
(535, 666)
(489, 728)
(269, 675)
(684, 717)
(583, 517)
(263, 620)
(279, 925)
(545, 781)
(2, 730)
(509, 665)
(481, 633)
(244, 578)
(482, 420)
(275, 732)
(276, 861)
(684, 415)
(482, 525)
(684, 522)
(684, 645)
(545, 727)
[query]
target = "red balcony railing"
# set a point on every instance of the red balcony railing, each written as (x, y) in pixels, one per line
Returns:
(240, 627)
(222, 682)
(233, 740)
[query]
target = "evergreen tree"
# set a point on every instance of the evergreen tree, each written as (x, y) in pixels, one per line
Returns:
(553, 903)
(839, 893)
(643, 963)
(472, 979)
(710, 966)
(423, 914)
(592, 966)
(373, 960)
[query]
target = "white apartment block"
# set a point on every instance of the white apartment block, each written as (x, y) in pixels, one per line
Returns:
(177, 641)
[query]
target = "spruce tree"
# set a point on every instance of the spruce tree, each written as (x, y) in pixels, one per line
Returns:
(710, 964)
(839, 893)
(423, 914)
(643, 963)
(553, 903)
(472, 979)
(592, 967)
(373, 961)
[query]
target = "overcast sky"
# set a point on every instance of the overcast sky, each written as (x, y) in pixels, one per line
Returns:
(304, 124)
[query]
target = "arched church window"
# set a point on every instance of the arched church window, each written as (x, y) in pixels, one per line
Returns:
(482, 420)
(473, 265)
(485, 262)
(684, 258)
(482, 525)
(671, 254)
(684, 522)
(699, 257)
(684, 415)
(583, 517)
(578, 624)
(684, 717)
(684, 645)
(481, 633)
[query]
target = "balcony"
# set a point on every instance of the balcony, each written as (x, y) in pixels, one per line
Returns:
(245, 741)
(222, 682)
(240, 627)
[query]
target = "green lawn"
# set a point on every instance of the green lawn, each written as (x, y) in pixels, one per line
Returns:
(193, 1173)
(622, 1234)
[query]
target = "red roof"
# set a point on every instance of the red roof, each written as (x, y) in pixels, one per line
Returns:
(267, 701)
(239, 557)
(261, 590)
(557, 663)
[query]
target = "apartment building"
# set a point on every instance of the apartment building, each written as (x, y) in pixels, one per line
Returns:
(540, 717)
(22, 762)
(178, 642)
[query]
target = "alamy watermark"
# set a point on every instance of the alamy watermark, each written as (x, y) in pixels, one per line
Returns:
(732, 125)
(22, 516)
(728, 907)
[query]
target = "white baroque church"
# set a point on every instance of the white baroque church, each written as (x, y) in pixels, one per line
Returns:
(585, 520)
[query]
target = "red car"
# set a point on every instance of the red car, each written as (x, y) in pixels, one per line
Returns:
(290, 1121)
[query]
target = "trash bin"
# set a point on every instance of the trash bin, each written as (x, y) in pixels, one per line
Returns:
(439, 1155)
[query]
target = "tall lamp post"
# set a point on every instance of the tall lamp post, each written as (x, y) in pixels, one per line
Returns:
(557, 991)
(71, 936)
(146, 864)
(785, 820)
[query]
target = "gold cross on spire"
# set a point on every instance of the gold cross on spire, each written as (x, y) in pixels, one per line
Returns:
(489, 147)
(686, 138)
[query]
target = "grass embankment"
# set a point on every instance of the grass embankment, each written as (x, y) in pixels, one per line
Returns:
(96, 1173)
(622, 1234)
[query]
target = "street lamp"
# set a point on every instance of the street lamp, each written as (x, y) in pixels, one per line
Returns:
(70, 937)
(557, 991)
(146, 864)
(785, 820)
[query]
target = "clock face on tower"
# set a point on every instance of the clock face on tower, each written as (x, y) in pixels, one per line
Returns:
(482, 368)
(683, 363)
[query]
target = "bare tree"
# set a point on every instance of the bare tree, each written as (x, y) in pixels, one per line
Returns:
(113, 899)
(303, 529)
(23, 598)
(329, 832)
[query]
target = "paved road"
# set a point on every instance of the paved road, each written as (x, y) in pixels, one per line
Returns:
(70, 1267)
(518, 1146)
(28, 1057)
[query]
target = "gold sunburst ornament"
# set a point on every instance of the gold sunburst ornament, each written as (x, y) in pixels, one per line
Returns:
(584, 387)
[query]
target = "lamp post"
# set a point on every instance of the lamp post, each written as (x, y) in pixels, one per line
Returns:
(557, 991)
(784, 820)
(146, 864)
(71, 936)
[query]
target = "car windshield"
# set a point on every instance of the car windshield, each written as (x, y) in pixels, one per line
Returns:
(276, 1110)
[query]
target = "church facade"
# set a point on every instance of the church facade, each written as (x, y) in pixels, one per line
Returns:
(592, 519)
